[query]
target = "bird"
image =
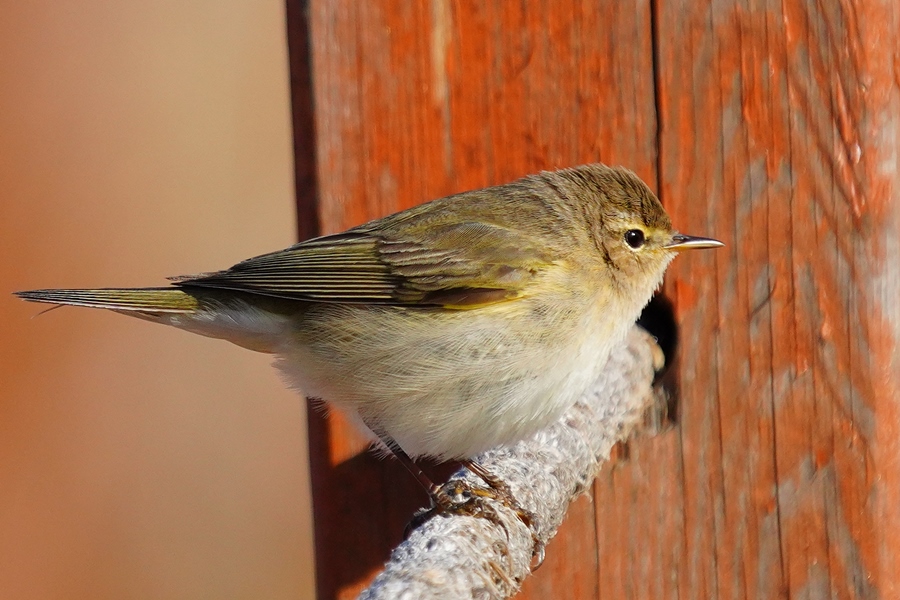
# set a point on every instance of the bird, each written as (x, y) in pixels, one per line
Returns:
(465, 323)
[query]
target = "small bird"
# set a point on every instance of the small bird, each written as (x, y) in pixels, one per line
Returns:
(446, 329)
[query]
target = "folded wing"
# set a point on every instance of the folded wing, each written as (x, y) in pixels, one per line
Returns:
(462, 265)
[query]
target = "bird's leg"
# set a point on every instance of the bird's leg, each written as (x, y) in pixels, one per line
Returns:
(453, 497)
(500, 491)
(460, 498)
(439, 497)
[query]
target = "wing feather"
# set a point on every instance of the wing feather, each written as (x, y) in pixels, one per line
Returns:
(416, 264)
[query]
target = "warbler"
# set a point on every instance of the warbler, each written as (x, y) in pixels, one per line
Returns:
(446, 329)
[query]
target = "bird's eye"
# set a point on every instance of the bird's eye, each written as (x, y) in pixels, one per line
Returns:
(634, 238)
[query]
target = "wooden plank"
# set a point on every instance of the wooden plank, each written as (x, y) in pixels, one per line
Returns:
(418, 100)
(779, 135)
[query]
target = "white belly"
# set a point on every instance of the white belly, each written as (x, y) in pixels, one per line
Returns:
(480, 379)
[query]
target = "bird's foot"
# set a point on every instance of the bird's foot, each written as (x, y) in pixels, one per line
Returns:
(459, 497)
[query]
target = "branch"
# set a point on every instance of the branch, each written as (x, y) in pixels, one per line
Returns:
(453, 556)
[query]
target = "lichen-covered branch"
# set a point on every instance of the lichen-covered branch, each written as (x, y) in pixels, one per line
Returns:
(453, 556)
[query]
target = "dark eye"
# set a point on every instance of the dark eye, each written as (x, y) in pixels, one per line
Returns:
(634, 238)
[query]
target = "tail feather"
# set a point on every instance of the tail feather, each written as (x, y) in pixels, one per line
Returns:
(155, 300)
(255, 322)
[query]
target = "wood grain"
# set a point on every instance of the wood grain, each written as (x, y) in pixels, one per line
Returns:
(418, 100)
(771, 115)
(778, 134)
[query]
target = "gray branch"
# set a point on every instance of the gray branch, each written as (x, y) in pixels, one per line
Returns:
(467, 557)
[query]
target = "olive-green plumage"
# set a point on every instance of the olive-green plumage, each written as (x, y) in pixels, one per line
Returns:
(450, 327)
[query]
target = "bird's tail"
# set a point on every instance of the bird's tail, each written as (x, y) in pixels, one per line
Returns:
(140, 300)
(251, 321)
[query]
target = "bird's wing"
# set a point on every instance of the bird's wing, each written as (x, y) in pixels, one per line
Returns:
(463, 265)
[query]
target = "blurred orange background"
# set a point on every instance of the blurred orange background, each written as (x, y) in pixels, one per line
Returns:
(141, 140)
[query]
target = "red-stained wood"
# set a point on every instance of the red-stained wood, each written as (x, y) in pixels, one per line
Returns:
(418, 100)
(779, 133)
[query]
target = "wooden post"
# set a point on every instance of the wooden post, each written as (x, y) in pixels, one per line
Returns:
(780, 134)
(771, 125)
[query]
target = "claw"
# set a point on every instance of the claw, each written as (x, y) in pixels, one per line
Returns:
(458, 497)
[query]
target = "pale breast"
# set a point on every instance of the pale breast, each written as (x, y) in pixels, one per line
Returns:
(450, 384)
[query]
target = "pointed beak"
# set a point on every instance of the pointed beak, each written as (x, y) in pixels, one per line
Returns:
(686, 242)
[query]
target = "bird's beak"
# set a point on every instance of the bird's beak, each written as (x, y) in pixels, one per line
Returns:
(686, 242)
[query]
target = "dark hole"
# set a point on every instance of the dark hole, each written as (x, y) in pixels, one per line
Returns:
(659, 319)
